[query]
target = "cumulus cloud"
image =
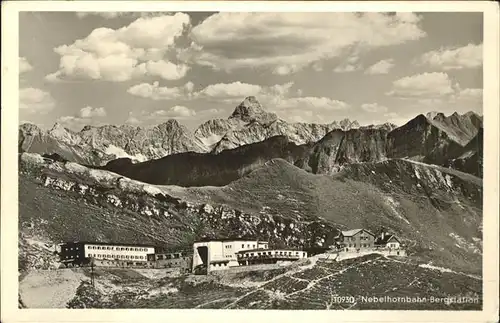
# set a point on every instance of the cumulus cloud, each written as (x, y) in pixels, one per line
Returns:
(159, 116)
(309, 103)
(425, 85)
(469, 56)
(24, 65)
(229, 92)
(85, 116)
(381, 67)
(35, 100)
(374, 108)
(89, 112)
(229, 41)
(130, 52)
(156, 92)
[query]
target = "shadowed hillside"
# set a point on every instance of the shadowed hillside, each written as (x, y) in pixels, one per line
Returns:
(437, 211)
(194, 169)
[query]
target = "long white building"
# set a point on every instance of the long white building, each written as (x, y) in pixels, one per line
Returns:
(220, 254)
(80, 253)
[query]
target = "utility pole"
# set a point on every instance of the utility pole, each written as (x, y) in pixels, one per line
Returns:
(92, 271)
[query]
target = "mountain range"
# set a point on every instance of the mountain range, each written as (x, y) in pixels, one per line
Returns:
(419, 140)
(249, 123)
(215, 148)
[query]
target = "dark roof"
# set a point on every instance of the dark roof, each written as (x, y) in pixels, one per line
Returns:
(110, 243)
(186, 252)
(274, 249)
(220, 260)
(354, 232)
(386, 239)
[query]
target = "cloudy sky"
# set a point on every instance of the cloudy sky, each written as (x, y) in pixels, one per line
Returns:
(145, 68)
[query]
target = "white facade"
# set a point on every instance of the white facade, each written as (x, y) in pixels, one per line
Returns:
(118, 252)
(393, 244)
(221, 254)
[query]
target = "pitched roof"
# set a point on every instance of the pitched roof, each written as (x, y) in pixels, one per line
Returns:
(349, 233)
(385, 240)
(224, 239)
(353, 232)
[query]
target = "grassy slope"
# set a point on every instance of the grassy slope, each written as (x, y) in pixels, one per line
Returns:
(423, 216)
(57, 216)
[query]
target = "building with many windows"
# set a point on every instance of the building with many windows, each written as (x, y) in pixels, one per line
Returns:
(356, 239)
(104, 253)
(181, 260)
(268, 256)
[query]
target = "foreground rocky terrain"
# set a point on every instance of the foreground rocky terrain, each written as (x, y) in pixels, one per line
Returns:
(254, 175)
(315, 283)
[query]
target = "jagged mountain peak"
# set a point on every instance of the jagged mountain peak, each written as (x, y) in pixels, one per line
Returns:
(58, 130)
(27, 126)
(250, 110)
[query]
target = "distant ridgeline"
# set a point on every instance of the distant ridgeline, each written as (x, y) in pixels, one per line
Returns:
(221, 150)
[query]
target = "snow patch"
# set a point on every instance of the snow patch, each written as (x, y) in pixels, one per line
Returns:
(211, 140)
(120, 153)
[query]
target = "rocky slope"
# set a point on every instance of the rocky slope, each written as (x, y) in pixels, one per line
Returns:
(61, 141)
(250, 123)
(437, 211)
(339, 147)
(469, 159)
(97, 145)
(419, 139)
(66, 201)
(460, 128)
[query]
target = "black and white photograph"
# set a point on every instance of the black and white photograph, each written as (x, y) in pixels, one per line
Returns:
(262, 160)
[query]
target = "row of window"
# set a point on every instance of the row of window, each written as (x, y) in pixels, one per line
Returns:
(168, 256)
(116, 256)
(270, 253)
(354, 238)
(117, 248)
(363, 245)
(243, 246)
(71, 257)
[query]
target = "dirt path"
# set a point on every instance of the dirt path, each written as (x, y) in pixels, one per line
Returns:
(49, 288)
